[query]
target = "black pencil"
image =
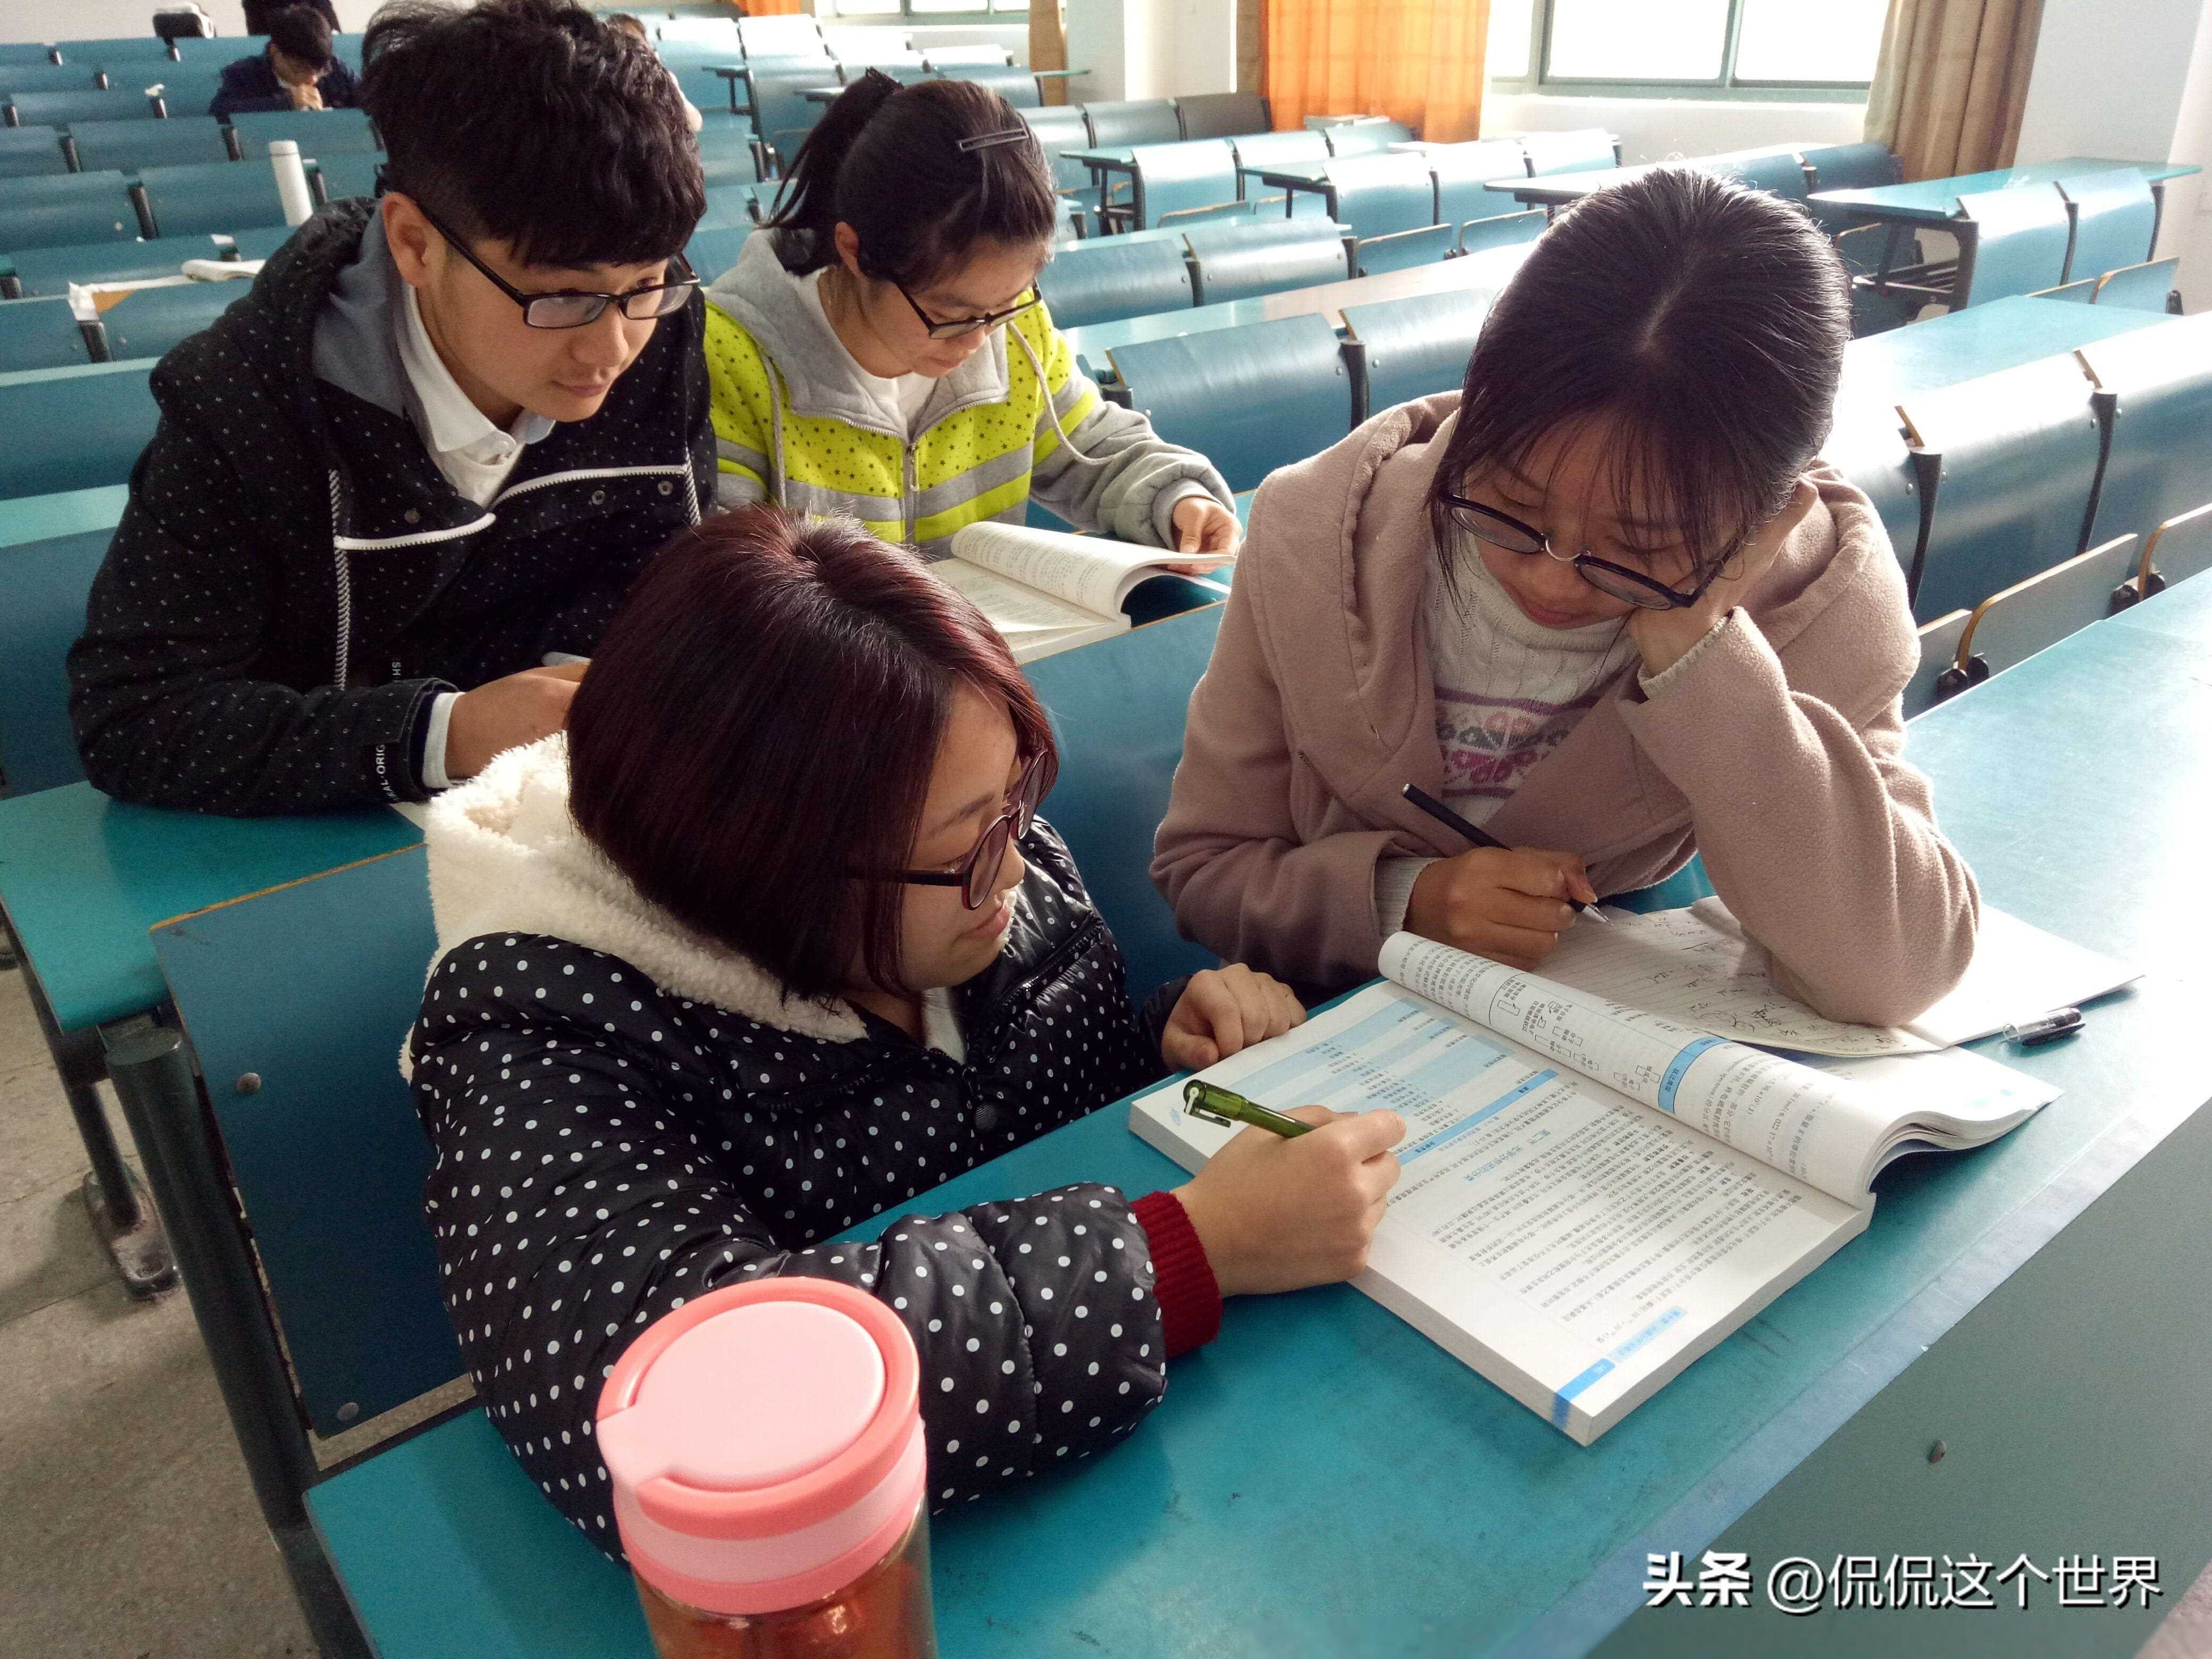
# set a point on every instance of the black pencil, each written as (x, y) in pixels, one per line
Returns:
(1451, 820)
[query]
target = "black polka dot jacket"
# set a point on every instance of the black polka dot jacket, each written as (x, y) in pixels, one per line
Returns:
(625, 1116)
(293, 581)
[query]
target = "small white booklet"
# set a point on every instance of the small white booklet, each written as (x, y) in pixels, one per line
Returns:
(1698, 967)
(1046, 590)
(1593, 1195)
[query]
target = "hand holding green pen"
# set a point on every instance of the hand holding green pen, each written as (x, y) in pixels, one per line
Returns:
(1216, 1105)
(1296, 1206)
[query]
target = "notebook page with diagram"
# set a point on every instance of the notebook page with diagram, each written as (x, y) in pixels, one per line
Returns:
(1697, 966)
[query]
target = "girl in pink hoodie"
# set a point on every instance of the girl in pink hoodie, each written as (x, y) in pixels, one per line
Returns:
(1607, 602)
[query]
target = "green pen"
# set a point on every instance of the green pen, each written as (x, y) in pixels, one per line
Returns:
(1216, 1105)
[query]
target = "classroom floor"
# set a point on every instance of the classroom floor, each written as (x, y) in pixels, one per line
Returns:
(130, 1528)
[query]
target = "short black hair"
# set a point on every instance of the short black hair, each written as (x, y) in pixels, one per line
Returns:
(302, 35)
(532, 122)
(1705, 320)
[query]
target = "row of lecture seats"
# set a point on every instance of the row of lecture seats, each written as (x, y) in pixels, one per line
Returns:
(196, 198)
(2037, 237)
(1967, 647)
(90, 147)
(1986, 481)
(46, 332)
(1209, 262)
(129, 52)
(46, 272)
(1410, 200)
(83, 93)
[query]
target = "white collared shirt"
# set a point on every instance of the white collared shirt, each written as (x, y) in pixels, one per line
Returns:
(476, 457)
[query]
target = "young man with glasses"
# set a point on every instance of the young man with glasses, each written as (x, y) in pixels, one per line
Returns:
(429, 453)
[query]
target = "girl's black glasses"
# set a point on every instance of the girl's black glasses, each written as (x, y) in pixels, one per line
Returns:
(960, 327)
(1502, 530)
(976, 873)
(572, 307)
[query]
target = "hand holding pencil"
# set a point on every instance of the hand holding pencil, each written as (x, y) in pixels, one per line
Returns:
(1510, 904)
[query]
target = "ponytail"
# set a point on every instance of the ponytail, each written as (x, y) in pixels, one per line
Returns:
(922, 173)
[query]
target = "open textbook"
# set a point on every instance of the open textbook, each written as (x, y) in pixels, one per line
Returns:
(1594, 1195)
(1697, 966)
(1046, 590)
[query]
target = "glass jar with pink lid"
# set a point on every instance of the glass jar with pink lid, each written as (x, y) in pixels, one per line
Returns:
(765, 1447)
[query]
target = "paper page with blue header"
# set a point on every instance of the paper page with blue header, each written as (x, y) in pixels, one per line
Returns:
(1592, 1195)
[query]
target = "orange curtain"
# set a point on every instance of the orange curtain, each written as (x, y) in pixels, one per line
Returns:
(772, 7)
(1415, 61)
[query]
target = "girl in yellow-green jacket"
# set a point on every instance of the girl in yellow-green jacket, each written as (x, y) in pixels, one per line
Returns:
(880, 350)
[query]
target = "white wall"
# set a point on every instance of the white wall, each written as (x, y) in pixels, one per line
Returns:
(2129, 80)
(92, 20)
(1653, 128)
(1152, 48)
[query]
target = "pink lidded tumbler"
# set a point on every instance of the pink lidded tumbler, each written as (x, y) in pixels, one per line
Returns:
(765, 1447)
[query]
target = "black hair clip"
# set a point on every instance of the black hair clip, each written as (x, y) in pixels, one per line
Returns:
(991, 140)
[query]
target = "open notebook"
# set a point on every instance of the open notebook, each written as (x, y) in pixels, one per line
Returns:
(1698, 967)
(1594, 1195)
(1046, 590)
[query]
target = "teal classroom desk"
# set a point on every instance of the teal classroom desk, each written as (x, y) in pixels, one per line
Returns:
(1324, 1481)
(1998, 334)
(1935, 201)
(83, 877)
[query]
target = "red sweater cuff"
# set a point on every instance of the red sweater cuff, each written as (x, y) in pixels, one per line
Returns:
(1190, 1298)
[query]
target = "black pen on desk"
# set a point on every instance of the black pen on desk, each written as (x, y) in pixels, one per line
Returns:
(2045, 1028)
(1451, 820)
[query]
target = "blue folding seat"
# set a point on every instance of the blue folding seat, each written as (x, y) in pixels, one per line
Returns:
(1413, 348)
(317, 132)
(29, 152)
(2012, 242)
(147, 321)
(1250, 399)
(41, 333)
(127, 146)
(56, 211)
(2115, 217)
(219, 195)
(2033, 615)
(1133, 121)
(1102, 281)
(1223, 114)
(47, 583)
(1267, 256)
(1584, 151)
(1183, 182)
(2014, 457)
(2153, 389)
(73, 429)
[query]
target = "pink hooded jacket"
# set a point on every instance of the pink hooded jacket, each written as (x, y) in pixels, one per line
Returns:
(1777, 754)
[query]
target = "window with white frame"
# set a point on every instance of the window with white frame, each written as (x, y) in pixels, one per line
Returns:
(1710, 48)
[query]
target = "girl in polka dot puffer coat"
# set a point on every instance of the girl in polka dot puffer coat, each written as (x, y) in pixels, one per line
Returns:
(680, 1039)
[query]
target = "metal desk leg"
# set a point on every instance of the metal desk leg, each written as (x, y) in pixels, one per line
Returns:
(124, 1221)
(1962, 280)
(154, 1080)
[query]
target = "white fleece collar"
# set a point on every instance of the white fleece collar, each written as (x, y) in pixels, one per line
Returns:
(507, 857)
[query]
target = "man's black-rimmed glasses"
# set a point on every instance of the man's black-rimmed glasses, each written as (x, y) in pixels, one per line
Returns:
(573, 307)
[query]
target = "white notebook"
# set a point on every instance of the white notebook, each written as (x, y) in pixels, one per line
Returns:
(1046, 590)
(1594, 1195)
(1698, 967)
